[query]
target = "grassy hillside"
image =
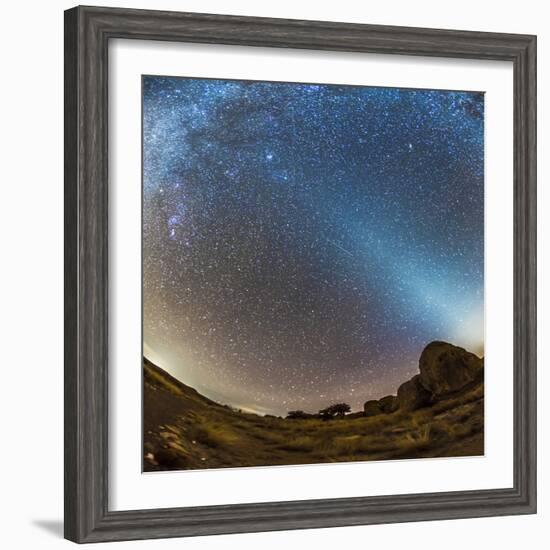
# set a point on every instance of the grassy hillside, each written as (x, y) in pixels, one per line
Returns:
(185, 430)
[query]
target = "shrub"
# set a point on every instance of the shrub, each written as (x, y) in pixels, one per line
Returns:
(338, 409)
(297, 414)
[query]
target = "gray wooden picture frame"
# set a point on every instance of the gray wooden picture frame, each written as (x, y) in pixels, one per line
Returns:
(87, 34)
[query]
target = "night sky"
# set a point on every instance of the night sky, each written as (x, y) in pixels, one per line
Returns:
(303, 243)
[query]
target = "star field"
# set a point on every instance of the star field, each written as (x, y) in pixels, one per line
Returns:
(303, 243)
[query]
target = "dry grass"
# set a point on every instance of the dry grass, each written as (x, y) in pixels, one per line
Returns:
(215, 434)
(210, 435)
(164, 382)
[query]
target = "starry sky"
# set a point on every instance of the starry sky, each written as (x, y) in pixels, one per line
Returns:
(302, 243)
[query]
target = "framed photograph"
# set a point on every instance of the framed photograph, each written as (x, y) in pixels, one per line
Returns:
(300, 277)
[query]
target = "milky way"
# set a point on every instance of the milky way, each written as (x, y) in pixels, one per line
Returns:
(303, 243)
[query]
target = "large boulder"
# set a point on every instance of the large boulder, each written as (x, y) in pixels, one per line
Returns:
(372, 408)
(412, 395)
(388, 404)
(445, 368)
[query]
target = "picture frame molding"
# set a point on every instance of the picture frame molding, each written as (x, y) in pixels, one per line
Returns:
(87, 34)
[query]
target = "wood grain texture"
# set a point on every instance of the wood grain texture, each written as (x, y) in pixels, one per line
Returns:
(87, 33)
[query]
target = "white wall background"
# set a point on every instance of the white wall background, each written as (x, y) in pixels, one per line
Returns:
(31, 398)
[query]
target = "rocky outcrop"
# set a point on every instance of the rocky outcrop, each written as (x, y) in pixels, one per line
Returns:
(445, 368)
(412, 395)
(372, 408)
(388, 404)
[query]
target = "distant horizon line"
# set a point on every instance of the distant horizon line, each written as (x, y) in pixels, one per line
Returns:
(250, 410)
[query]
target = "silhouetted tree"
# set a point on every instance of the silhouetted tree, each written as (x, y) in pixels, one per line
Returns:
(338, 409)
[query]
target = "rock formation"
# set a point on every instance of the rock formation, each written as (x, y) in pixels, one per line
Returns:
(389, 404)
(372, 408)
(412, 395)
(444, 370)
